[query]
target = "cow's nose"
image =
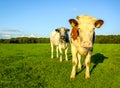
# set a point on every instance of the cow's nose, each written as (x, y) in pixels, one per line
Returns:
(62, 37)
(86, 44)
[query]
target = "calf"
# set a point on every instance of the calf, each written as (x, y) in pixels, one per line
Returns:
(59, 38)
(82, 39)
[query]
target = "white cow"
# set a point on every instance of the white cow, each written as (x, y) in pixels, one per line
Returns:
(59, 38)
(82, 39)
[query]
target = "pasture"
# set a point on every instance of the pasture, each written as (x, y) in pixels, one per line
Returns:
(30, 66)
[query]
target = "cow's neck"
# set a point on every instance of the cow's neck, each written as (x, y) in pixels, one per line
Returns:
(62, 41)
(80, 49)
(63, 45)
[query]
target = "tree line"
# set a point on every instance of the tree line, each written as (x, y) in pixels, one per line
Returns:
(101, 39)
(23, 40)
(110, 39)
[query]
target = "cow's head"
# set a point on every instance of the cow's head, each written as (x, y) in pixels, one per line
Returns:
(86, 27)
(63, 33)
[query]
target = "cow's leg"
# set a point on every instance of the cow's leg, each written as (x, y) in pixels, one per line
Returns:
(52, 50)
(60, 49)
(57, 51)
(87, 63)
(79, 62)
(66, 57)
(74, 62)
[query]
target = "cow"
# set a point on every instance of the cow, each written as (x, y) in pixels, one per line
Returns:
(59, 38)
(82, 39)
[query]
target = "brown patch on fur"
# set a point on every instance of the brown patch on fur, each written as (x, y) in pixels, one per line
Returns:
(74, 32)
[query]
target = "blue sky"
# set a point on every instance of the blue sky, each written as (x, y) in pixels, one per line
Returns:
(40, 17)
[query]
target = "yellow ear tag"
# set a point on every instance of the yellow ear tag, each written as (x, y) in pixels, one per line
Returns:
(72, 24)
(98, 25)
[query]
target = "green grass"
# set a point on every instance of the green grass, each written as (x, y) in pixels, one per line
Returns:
(30, 66)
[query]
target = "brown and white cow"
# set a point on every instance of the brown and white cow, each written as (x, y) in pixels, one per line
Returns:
(60, 39)
(82, 39)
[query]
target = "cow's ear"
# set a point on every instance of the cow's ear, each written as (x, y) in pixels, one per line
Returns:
(99, 23)
(57, 30)
(73, 22)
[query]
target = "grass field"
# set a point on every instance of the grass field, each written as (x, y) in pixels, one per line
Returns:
(30, 66)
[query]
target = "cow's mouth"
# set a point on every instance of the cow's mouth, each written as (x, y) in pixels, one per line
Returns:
(86, 44)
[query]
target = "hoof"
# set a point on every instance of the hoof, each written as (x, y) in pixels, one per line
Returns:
(79, 68)
(67, 60)
(87, 76)
(72, 76)
(51, 57)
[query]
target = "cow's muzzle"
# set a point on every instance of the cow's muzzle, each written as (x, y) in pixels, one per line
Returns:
(62, 37)
(86, 44)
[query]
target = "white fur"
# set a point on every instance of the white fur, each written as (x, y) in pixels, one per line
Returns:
(55, 41)
(83, 44)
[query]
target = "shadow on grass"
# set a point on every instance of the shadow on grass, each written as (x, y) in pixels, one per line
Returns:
(96, 59)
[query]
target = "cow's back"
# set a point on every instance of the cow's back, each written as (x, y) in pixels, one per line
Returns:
(54, 38)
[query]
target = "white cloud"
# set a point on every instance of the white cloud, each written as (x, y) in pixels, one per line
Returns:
(32, 35)
(9, 33)
(19, 35)
(14, 33)
(5, 35)
(10, 30)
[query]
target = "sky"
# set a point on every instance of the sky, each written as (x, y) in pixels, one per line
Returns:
(37, 18)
